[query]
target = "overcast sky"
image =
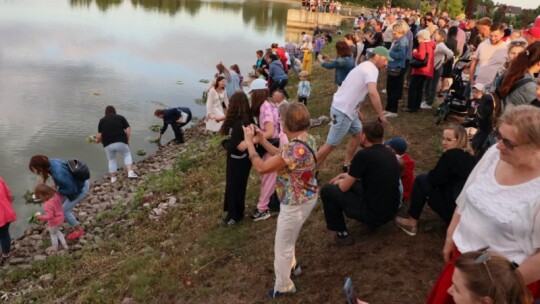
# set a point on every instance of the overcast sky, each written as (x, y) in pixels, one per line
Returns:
(530, 4)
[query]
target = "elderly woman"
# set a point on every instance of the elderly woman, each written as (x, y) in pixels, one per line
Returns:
(499, 206)
(296, 188)
(442, 55)
(72, 190)
(343, 64)
(422, 68)
(396, 69)
(114, 132)
(487, 277)
(519, 84)
(307, 49)
(441, 186)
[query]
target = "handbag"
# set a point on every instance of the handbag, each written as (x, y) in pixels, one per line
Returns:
(415, 63)
(394, 72)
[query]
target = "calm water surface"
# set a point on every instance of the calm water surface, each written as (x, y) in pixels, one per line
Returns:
(62, 62)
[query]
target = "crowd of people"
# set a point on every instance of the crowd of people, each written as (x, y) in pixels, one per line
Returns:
(486, 193)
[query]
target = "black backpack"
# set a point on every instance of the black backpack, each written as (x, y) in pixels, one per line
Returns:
(79, 170)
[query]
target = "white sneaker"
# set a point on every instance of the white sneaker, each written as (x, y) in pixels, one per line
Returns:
(383, 91)
(390, 115)
(425, 106)
(132, 174)
(385, 112)
(113, 179)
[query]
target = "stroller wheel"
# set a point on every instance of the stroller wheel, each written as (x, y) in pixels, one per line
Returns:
(442, 113)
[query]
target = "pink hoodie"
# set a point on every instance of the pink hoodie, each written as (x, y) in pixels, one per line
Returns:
(7, 214)
(53, 211)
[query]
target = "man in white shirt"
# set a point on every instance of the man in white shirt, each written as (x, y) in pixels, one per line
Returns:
(361, 81)
(491, 54)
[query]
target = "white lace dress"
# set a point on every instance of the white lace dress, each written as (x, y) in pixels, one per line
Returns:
(505, 218)
(214, 107)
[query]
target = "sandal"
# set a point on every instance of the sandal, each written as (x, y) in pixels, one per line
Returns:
(408, 229)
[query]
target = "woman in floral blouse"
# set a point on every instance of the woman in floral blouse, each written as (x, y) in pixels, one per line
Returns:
(296, 187)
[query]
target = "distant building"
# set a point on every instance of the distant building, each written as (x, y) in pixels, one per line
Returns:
(513, 11)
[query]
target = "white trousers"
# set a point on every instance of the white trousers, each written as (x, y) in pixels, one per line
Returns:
(290, 221)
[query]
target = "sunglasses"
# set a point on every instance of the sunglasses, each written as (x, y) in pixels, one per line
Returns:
(483, 259)
(506, 142)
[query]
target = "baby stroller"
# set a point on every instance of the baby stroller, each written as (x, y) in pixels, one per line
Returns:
(456, 101)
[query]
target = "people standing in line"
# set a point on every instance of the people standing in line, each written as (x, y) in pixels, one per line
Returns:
(304, 88)
(441, 186)
(396, 69)
(177, 118)
(343, 64)
(238, 163)
(424, 52)
(278, 76)
(216, 105)
(307, 49)
(345, 117)
(232, 79)
(7, 216)
(73, 190)
(489, 213)
(296, 188)
(53, 215)
(114, 133)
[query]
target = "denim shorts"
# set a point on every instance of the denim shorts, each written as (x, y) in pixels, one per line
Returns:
(341, 125)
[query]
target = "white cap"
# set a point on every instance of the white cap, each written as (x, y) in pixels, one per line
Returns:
(257, 84)
(479, 87)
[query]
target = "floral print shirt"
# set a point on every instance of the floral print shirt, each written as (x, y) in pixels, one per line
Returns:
(296, 183)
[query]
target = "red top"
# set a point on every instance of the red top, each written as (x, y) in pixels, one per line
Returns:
(427, 47)
(7, 214)
(282, 57)
(53, 211)
(407, 178)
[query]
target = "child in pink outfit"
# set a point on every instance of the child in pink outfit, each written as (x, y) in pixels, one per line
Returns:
(54, 214)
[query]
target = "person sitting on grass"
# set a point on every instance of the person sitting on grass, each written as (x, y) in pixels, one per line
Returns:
(488, 277)
(369, 192)
(399, 147)
(53, 215)
(442, 185)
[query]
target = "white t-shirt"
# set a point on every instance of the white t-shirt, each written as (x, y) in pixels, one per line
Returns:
(505, 218)
(353, 90)
(490, 59)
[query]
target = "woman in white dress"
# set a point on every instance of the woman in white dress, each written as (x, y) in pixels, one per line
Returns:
(216, 105)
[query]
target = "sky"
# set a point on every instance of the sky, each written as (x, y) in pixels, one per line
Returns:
(528, 4)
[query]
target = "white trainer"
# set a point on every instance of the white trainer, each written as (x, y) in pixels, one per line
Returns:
(132, 174)
(425, 106)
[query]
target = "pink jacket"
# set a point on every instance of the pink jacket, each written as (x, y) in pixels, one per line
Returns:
(53, 211)
(426, 48)
(7, 214)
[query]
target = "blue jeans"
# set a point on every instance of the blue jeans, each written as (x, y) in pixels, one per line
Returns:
(5, 239)
(67, 205)
(117, 147)
(341, 125)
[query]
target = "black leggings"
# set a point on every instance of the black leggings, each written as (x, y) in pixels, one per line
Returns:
(5, 238)
(423, 192)
(237, 174)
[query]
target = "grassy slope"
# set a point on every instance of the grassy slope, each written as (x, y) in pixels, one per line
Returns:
(188, 257)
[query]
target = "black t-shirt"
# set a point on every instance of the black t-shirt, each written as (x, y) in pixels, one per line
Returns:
(113, 129)
(377, 169)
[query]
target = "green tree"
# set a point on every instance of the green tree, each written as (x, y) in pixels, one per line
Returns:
(454, 7)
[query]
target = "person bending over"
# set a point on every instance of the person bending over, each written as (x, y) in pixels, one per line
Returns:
(177, 118)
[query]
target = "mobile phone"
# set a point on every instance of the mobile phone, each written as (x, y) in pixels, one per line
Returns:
(350, 295)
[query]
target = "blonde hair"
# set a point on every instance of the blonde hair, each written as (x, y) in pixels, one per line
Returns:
(525, 120)
(303, 74)
(400, 27)
(462, 138)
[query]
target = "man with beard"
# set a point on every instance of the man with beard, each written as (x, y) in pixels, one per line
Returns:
(492, 53)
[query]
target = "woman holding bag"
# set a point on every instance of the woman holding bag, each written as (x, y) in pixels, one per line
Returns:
(396, 69)
(422, 65)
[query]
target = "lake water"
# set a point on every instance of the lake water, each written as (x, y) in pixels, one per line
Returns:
(63, 61)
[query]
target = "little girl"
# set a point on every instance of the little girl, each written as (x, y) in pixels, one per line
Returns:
(53, 214)
(304, 88)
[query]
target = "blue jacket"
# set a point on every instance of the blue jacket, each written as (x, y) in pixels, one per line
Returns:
(65, 183)
(276, 71)
(343, 66)
(398, 52)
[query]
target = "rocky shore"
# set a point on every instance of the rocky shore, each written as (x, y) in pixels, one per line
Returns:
(115, 200)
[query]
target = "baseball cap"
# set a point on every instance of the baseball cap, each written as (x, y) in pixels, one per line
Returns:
(257, 84)
(534, 30)
(398, 144)
(382, 51)
(479, 87)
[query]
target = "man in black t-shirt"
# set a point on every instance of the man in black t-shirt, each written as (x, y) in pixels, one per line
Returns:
(369, 192)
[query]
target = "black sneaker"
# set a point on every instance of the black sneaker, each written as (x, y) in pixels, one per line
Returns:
(228, 222)
(343, 241)
(259, 215)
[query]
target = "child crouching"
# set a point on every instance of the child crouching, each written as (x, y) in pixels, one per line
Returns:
(54, 215)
